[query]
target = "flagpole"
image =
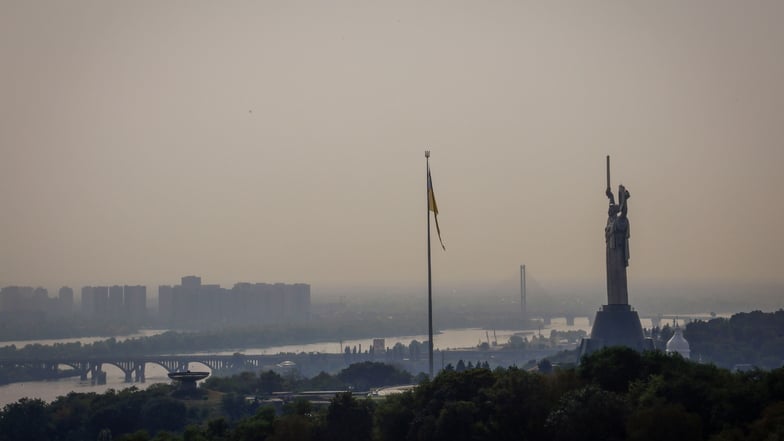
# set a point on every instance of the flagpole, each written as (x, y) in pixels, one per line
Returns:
(429, 271)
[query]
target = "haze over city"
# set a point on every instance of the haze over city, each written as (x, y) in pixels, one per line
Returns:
(278, 141)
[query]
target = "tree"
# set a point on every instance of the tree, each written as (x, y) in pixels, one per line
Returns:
(293, 428)
(588, 414)
(348, 419)
(669, 422)
(611, 368)
(255, 428)
(27, 419)
(139, 435)
(163, 413)
(269, 382)
(217, 429)
(771, 425)
(366, 375)
(545, 366)
(393, 416)
(521, 401)
(459, 421)
(234, 406)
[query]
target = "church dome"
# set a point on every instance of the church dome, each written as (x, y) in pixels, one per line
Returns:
(678, 344)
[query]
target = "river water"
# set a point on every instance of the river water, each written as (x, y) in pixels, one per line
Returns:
(446, 339)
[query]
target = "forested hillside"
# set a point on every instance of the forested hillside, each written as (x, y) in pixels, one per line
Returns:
(615, 394)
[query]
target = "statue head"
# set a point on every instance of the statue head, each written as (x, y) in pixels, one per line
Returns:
(613, 210)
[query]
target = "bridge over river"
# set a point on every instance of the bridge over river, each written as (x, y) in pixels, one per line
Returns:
(308, 364)
(134, 366)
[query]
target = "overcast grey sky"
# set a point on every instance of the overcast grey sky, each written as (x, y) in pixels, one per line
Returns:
(283, 141)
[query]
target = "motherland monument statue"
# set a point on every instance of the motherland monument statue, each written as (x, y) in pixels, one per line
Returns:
(616, 235)
(616, 324)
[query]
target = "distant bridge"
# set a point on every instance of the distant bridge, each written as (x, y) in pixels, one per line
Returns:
(657, 320)
(134, 366)
(547, 318)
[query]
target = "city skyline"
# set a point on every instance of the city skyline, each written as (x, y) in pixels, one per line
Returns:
(286, 142)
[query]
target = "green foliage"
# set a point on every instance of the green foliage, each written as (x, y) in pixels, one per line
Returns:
(248, 383)
(589, 414)
(755, 338)
(669, 422)
(614, 394)
(256, 428)
(293, 428)
(269, 382)
(298, 406)
(770, 426)
(459, 421)
(367, 375)
(348, 419)
(140, 435)
(521, 402)
(393, 416)
(322, 381)
(611, 368)
(235, 406)
(162, 413)
(217, 429)
(26, 419)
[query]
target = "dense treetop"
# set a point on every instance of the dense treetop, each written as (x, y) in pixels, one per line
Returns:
(614, 394)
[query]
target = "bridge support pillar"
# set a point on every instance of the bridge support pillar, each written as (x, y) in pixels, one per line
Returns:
(84, 368)
(97, 376)
(569, 320)
(138, 369)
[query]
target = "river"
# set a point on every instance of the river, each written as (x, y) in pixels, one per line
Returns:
(446, 339)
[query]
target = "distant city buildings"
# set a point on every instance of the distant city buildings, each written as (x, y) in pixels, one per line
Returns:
(124, 303)
(190, 304)
(25, 303)
(66, 298)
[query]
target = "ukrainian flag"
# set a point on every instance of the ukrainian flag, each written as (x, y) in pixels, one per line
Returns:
(432, 206)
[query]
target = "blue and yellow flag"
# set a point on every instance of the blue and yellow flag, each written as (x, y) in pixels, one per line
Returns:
(431, 204)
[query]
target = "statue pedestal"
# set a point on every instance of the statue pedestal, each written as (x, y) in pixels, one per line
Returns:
(616, 325)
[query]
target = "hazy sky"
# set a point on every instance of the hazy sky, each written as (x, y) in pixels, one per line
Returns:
(283, 141)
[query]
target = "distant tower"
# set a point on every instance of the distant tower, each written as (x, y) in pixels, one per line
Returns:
(678, 344)
(523, 299)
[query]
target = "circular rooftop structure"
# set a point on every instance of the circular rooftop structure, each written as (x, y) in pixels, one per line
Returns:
(188, 381)
(188, 376)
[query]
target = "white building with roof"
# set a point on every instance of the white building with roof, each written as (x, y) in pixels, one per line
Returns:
(678, 344)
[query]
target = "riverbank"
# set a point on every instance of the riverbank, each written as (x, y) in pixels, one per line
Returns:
(446, 339)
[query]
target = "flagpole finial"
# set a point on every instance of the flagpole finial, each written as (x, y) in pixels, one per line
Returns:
(427, 153)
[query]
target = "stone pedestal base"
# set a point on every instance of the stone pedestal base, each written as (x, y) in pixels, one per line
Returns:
(616, 325)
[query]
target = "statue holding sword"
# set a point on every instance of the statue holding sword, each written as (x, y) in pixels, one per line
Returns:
(616, 234)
